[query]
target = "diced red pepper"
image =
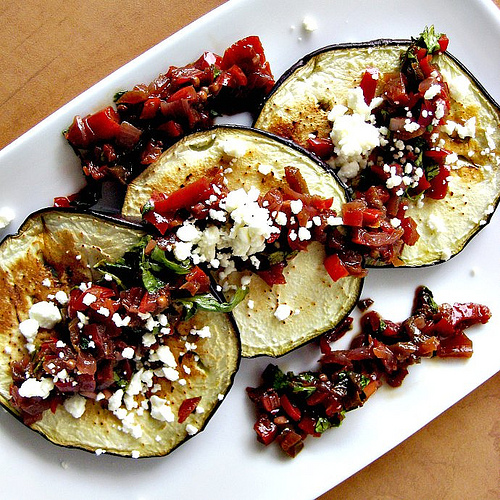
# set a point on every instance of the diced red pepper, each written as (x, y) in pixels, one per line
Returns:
(188, 93)
(369, 83)
(105, 124)
(150, 108)
(322, 147)
(274, 275)
(443, 43)
(265, 429)
(335, 267)
(439, 184)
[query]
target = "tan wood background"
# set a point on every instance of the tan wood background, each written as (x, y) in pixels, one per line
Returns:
(48, 54)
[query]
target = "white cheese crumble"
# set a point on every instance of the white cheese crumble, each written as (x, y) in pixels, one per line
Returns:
(46, 313)
(191, 429)
(75, 405)
(160, 409)
(6, 216)
(309, 24)
(32, 387)
(283, 311)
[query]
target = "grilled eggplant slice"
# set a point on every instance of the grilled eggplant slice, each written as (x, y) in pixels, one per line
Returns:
(299, 107)
(255, 159)
(53, 253)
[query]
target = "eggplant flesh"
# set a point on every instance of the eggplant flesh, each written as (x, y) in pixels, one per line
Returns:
(316, 302)
(300, 103)
(56, 250)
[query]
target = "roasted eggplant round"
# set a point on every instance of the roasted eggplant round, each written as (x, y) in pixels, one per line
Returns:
(299, 109)
(132, 387)
(273, 318)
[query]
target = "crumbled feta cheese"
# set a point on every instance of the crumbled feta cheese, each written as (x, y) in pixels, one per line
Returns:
(62, 297)
(128, 353)
(32, 387)
(282, 312)
(29, 329)
(309, 24)
(432, 91)
(160, 410)
(46, 313)
(203, 332)
(166, 356)
(115, 400)
(89, 298)
(75, 405)
(188, 232)
(235, 148)
(6, 216)
(191, 429)
(296, 206)
(182, 250)
(265, 169)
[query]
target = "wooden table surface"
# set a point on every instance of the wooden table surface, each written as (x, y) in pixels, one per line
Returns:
(456, 456)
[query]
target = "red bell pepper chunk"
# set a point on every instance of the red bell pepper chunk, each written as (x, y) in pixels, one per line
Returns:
(335, 267)
(369, 84)
(239, 77)
(208, 60)
(105, 124)
(184, 197)
(443, 42)
(439, 184)
(274, 275)
(150, 108)
(322, 147)
(244, 52)
(188, 93)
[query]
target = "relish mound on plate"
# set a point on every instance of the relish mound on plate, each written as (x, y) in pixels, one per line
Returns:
(410, 130)
(263, 214)
(118, 142)
(107, 342)
(292, 406)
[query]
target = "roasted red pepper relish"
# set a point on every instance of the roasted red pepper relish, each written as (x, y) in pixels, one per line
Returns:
(294, 219)
(407, 164)
(95, 349)
(292, 406)
(118, 144)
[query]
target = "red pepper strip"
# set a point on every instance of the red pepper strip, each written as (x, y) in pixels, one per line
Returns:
(184, 197)
(335, 267)
(187, 407)
(369, 84)
(290, 409)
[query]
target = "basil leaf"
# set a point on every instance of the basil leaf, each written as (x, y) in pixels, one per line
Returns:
(431, 171)
(150, 281)
(322, 425)
(208, 302)
(158, 255)
(429, 39)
